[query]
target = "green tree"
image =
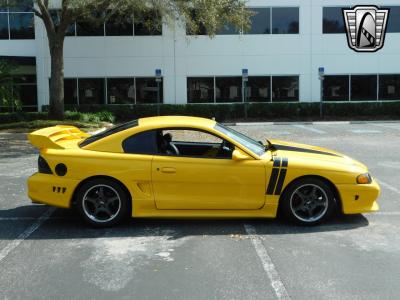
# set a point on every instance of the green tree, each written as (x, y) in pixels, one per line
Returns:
(209, 14)
(8, 91)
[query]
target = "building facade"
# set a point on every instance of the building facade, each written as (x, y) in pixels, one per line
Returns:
(288, 42)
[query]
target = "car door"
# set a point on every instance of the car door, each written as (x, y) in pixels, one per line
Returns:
(204, 182)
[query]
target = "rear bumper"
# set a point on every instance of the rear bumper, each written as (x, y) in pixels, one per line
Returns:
(51, 190)
(359, 198)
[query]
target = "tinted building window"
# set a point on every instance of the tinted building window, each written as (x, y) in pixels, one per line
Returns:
(146, 90)
(333, 21)
(119, 26)
(228, 89)
(121, 91)
(26, 89)
(393, 24)
(285, 20)
(21, 26)
(3, 6)
(141, 143)
(389, 87)
(336, 88)
(200, 90)
(363, 87)
(91, 91)
(4, 26)
(55, 15)
(285, 88)
(260, 22)
(148, 24)
(258, 89)
(70, 91)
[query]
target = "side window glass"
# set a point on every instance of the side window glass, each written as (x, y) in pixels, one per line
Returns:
(192, 136)
(141, 143)
(194, 143)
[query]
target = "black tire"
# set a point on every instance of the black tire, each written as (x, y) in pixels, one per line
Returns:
(103, 202)
(307, 202)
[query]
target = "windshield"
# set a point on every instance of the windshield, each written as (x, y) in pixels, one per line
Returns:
(108, 132)
(246, 141)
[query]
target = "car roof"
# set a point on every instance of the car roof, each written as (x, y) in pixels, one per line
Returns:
(179, 121)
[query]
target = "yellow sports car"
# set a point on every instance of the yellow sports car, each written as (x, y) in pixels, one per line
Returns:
(193, 167)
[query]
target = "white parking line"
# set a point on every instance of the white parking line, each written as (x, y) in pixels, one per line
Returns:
(389, 187)
(309, 128)
(267, 263)
(31, 218)
(31, 229)
(361, 131)
(387, 126)
(17, 218)
(386, 213)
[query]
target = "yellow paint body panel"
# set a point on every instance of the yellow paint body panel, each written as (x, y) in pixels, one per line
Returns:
(172, 186)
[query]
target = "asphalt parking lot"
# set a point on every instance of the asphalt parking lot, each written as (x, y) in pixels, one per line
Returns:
(49, 253)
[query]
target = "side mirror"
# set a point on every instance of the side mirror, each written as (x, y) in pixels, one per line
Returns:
(239, 155)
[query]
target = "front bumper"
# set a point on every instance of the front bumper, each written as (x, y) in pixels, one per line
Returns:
(359, 198)
(51, 190)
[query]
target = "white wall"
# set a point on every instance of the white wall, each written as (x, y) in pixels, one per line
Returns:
(180, 56)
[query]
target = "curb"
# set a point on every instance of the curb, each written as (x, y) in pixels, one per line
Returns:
(309, 123)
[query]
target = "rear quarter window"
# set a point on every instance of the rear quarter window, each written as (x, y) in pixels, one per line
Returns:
(141, 143)
(108, 132)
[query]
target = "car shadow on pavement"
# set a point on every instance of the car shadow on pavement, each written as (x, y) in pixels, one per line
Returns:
(65, 224)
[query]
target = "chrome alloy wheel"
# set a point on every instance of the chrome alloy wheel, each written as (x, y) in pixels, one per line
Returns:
(309, 203)
(101, 203)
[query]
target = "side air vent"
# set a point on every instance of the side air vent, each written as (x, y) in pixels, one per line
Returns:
(43, 166)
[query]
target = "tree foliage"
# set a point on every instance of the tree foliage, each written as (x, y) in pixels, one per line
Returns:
(8, 91)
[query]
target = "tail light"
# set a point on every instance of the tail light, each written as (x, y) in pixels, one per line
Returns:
(43, 166)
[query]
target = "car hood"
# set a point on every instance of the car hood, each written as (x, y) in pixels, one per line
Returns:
(308, 152)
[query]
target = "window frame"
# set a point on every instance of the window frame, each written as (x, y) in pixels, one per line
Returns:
(197, 78)
(269, 8)
(341, 10)
(286, 100)
(188, 156)
(286, 33)
(376, 87)
(348, 87)
(380, 87)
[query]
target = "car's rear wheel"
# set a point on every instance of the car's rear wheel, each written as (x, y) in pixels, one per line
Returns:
(308, 201)
(102, 202)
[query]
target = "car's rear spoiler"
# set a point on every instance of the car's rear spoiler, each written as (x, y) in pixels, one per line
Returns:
(55, 137)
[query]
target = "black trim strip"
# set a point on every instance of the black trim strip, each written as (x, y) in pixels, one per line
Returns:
(285, 162)
(297, 149)
(281, 179)
(272, 181)
(277, 161)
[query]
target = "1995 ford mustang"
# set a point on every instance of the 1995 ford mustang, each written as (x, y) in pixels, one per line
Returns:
(193, 167)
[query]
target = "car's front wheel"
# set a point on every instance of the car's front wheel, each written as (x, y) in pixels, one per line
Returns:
(308, 201)
(102, 202)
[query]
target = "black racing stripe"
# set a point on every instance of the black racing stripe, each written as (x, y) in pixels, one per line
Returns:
(272, 181)
(297, 149)
(277, 161)
(285, 162)
(281, 179)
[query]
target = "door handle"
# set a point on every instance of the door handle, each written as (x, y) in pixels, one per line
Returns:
(168, 170)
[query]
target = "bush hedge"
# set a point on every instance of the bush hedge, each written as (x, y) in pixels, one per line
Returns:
(300, 111)
(259, 111)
